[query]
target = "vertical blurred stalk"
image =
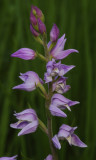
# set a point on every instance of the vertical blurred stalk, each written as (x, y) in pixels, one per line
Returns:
(88, 65)
(6, 108)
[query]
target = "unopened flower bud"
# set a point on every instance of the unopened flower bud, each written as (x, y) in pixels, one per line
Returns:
(54, 33)
(41, 26)
(37, 13)
(34, 32)
(37, 19)
(33, 19)
(25, 53)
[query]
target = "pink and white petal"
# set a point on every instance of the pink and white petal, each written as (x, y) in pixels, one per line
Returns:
(30, 128)
(56, 142)
(49, 157)
(63, 134)
(64, 54)
(59, 46)
(75, 140)
(8, 158)
(55, 111)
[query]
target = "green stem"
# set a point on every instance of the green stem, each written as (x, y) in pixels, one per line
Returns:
(47, 104)
(42, 126)
(45, 46)
(49, 124)
(43, 90)
(41, 56)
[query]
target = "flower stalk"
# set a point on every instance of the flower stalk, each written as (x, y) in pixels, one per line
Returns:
(47, 104)
(42, 126)
(45, 46)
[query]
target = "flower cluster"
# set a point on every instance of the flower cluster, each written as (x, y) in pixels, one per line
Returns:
(59, 103)
(67, 133)
(28, 120)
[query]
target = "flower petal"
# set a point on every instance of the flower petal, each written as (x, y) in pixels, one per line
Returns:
(56, 142)
(64, 54)
(19, 125)
(56, 111)
(8, 158)
(31, 79)
(65, 68)
(75, 140)
(30, 128)
(26, 87)
(49, 157)
(58, 47)
(47, 78)
(27, 114)
(63, 134)
(60, 100)
(67, 127)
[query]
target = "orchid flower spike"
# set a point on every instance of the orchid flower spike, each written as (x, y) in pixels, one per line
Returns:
(28, 122)
(31, 80)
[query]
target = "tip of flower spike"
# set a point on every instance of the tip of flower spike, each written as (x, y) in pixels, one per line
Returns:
(37, 12)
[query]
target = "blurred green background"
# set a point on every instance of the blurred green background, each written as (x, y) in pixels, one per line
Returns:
(77, 19)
